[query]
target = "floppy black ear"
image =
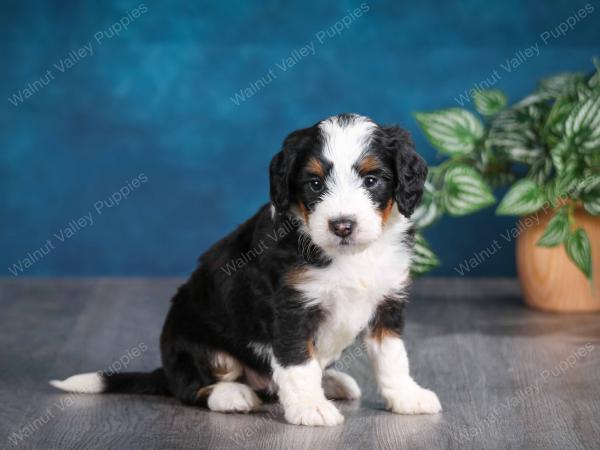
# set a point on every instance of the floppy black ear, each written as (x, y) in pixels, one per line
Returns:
(280, 172)
(411, 169)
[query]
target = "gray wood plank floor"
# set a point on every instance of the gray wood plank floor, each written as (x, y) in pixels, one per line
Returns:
(508, 377)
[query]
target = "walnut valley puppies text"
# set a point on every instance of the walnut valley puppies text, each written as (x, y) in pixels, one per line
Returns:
(526, 53)
(76, 55)
(75, 225)
(65, 402)
(298, 54)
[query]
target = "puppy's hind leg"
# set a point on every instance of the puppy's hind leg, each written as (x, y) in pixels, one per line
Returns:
(208, 380)
(340, 386)
(228, 396)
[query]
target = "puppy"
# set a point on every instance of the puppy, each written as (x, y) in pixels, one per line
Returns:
(273, 304)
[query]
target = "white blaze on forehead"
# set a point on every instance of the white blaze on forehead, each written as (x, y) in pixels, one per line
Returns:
(346, 140)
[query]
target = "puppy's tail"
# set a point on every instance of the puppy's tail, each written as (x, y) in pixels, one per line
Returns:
(147, 383)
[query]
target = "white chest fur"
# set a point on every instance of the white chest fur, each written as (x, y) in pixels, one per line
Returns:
(352, 286)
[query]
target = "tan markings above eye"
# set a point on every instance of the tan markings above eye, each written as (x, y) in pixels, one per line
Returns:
(368, 164)
(315, 167)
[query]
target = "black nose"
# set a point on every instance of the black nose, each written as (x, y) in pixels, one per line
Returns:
(342, 226)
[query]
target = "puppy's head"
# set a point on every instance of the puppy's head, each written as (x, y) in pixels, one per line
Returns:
(342, 178)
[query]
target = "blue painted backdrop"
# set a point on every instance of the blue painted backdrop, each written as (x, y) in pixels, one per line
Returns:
(148, 107)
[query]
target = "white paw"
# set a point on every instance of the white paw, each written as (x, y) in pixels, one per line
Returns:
(320, 413)
(232, 397)
(340, 386)
(414, 400)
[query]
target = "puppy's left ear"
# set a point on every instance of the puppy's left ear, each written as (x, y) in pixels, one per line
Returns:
(411, 169)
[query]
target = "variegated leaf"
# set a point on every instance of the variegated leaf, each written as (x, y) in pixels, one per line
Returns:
(557, 229)
(555, 122)
(534, 99)
(452, 131)
(429, 210)
(561, 84)
(540, 170)
(591, 199)
(489, 102)
(592, 205)
(524, 197)
(582, 126)
(465, 191)
(559, 154)
(423, 259)
(589, 183)
(579, 250)
(512, 133)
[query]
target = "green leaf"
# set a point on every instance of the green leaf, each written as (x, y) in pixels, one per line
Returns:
(559, 154)
(592, 205)
(582, 126)
(465, 191)
(454, 131)
(561, 84)
(557, 229)
(423, 259)
(534, 99)
(489, 102)
(429, 210)
(497, 179)
(591, 196)
(584, 92)
(592, 160)
(540, 170)
(561, 187)
(536, 112)
(579, 250)
(524, 197)
(567, 183)
(589, 183)
(513, 133)
(555, 122)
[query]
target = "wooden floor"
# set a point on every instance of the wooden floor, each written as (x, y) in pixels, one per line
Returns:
(507, 377)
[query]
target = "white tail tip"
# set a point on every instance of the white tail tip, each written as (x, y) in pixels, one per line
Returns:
(85, 383)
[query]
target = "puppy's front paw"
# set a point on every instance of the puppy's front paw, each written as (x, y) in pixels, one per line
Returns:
(414, 400)
(320, 413)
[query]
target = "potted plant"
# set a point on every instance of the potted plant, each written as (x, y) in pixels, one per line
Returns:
(546, 150)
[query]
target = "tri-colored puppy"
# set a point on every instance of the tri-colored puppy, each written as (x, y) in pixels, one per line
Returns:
(273, 304)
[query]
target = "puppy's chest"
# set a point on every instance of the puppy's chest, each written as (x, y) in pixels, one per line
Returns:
(349, 291)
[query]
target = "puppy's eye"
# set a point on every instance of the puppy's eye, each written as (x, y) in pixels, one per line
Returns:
(316, 185)
(370, 181)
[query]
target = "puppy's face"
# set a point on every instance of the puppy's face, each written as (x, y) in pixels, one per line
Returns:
(344, 177)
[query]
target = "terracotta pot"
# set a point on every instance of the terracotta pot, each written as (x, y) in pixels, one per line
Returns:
(549, 279)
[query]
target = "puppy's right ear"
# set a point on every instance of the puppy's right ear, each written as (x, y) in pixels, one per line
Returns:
(280, 173)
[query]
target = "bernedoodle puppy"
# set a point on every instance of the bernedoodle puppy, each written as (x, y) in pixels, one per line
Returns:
(272, 305)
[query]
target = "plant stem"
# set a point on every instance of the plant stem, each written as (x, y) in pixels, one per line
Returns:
(571, 216)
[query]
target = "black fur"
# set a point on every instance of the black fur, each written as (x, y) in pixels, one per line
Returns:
(389, 316)
(241, 292)
(411, 168)
(297, 148)
(150, 383)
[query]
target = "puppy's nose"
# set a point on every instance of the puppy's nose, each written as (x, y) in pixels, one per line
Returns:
(342, 226)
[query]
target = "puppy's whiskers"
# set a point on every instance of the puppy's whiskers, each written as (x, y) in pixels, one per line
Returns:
(306, 247)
